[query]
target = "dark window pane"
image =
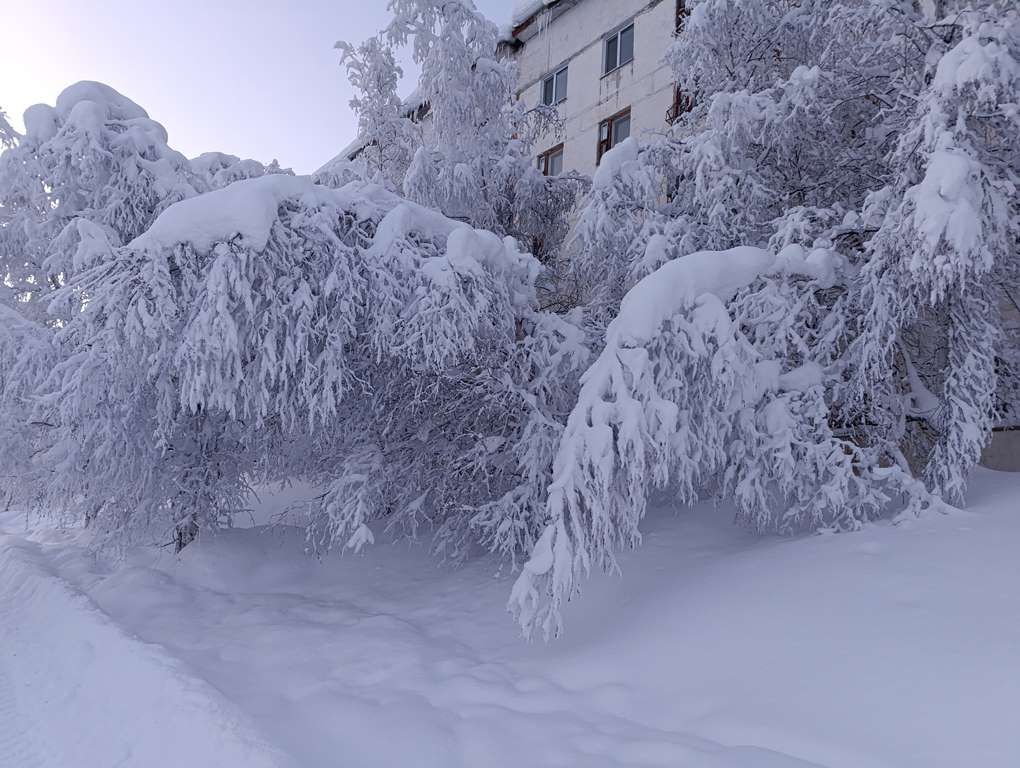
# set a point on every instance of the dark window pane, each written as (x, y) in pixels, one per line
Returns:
(611, 50)
(621, 129)
(555, 164)
(627, 45)
(547, 91)
(561, 85)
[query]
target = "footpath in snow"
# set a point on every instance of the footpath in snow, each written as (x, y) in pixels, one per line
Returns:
(891, 648)
(76, 691)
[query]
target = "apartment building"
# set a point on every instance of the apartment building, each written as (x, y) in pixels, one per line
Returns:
(601, 63)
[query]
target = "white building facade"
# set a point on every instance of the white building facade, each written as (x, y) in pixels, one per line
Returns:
(601, 63)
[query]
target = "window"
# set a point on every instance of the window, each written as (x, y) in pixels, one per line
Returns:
(681, 16)
(612, 132)
(682, 102)
(551, 163)
(619, 49)
(554, 88)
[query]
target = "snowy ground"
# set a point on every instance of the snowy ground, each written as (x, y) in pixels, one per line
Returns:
(895, 647)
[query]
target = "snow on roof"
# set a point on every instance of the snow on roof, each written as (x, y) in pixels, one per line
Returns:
(526, 10)
(408, 107)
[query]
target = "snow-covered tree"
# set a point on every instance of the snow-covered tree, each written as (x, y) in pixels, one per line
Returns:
(340, 172)
(26, 357)
(718, 376)
(91, 171)
(609, 247)
(468, 453)
(91, 174)
(385, 129)
(794, 107)
(943, 262)
(477, 162)
(278, 329)
(8, 136)
(95, 156)
(218, 169)
(858, 162)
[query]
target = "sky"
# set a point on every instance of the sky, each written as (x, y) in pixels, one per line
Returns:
(255, 78)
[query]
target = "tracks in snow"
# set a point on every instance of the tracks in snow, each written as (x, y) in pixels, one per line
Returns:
(76, 690)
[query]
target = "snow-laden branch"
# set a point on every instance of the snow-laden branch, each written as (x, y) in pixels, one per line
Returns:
(682, 396)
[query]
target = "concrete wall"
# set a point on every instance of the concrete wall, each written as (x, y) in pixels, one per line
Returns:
(1004, 451)
(574, 36)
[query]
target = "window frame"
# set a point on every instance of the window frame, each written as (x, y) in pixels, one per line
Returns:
(603, 145)
(617, 36)
(683, 103)
(543, 160)
(554, 77)
(682, 12)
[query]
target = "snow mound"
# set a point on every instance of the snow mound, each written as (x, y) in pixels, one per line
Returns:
(725, 651)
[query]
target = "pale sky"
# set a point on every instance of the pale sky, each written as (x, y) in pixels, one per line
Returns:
(255, 78)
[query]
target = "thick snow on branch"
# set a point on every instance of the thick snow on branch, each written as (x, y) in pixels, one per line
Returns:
(8, 136)
(677, 284)
(245, 210)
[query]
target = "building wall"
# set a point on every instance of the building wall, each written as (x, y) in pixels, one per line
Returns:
(1003, 452)
(575, 36)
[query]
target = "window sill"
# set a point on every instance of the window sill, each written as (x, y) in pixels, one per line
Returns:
(617, 68)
